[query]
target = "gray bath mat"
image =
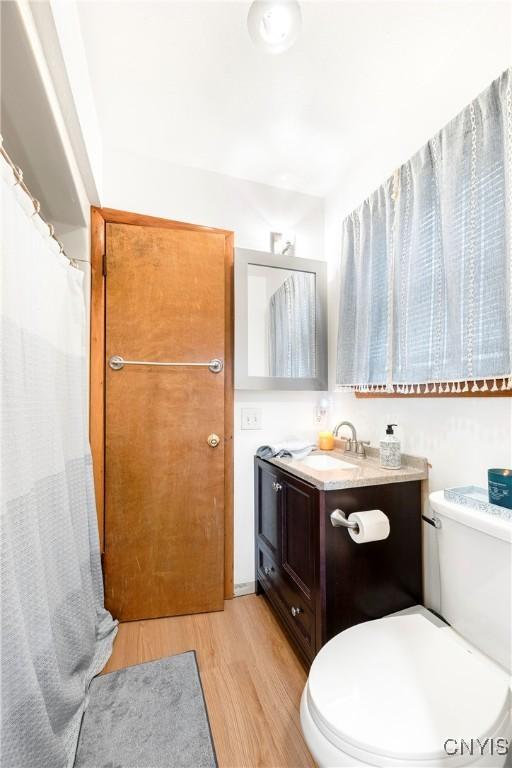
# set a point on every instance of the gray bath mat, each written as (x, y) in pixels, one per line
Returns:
(151, 715)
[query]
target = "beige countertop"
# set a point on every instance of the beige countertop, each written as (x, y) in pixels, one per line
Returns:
(365, 472)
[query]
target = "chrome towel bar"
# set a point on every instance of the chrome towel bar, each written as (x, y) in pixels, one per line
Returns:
(117, 362)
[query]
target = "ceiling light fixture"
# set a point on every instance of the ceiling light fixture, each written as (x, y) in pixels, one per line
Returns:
(274, 25)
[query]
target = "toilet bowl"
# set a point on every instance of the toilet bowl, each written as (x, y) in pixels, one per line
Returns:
(410, 690)
(401, 691)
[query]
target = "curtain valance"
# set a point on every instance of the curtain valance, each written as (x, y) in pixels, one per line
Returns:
(426, 269)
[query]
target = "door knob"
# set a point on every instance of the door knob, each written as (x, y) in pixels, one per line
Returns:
(295, 611)
(213, 440)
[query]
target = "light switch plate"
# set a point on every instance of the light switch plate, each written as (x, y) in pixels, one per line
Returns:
(251, 418)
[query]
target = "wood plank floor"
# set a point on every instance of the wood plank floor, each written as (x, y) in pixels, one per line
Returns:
(252, 679)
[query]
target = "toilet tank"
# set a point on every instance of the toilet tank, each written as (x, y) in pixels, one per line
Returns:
(475, 560)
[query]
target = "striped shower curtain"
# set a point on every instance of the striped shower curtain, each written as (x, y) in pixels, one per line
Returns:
(292, 328)
(56, 635)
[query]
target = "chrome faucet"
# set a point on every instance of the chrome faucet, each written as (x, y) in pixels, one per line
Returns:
(353, 445)
(348, 424)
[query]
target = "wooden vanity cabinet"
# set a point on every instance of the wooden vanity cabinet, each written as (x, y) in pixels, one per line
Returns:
(287, 542)
(316, 578)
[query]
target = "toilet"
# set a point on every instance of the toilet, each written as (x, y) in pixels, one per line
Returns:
(412, 690)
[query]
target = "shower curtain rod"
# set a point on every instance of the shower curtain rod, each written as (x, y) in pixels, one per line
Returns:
(18, 175)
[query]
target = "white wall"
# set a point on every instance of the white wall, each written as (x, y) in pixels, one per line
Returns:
(257, 325)
(461, 437)
(262, 283)
(146, 185)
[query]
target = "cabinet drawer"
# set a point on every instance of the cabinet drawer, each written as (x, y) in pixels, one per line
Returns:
(299, 615)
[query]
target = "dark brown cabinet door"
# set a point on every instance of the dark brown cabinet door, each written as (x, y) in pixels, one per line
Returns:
(299, 512)
(286, 550)
(268, 508)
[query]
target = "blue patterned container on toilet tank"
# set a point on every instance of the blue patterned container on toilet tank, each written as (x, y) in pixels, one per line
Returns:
(500, 487)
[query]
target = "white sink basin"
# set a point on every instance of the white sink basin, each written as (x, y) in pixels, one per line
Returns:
(324, 462)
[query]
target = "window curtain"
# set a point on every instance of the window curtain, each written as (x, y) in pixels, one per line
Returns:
(292, 327)
(426, 268)
(56, 634)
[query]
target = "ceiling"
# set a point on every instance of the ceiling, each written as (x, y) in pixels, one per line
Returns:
(182, 81)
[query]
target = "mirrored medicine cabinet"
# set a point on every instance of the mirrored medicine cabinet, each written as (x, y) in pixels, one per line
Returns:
(280, 322)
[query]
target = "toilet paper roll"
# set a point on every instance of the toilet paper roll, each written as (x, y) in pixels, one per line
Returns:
(373, 526)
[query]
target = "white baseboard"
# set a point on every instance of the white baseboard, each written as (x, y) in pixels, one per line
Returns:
(245, 588)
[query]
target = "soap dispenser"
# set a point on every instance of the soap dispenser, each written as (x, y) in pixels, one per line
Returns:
(390, 449)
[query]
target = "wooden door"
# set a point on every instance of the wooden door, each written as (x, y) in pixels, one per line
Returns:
(164, 483)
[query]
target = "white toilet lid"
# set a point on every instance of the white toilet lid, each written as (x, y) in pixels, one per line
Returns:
(400, 686)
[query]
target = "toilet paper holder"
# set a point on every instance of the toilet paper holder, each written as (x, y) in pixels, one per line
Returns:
(339, 519)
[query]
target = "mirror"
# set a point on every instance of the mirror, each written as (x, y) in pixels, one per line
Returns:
(281, 327)
(280, 322)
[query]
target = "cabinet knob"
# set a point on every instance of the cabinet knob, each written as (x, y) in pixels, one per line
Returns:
(276, 486)
(295, 611)
(268, 570)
